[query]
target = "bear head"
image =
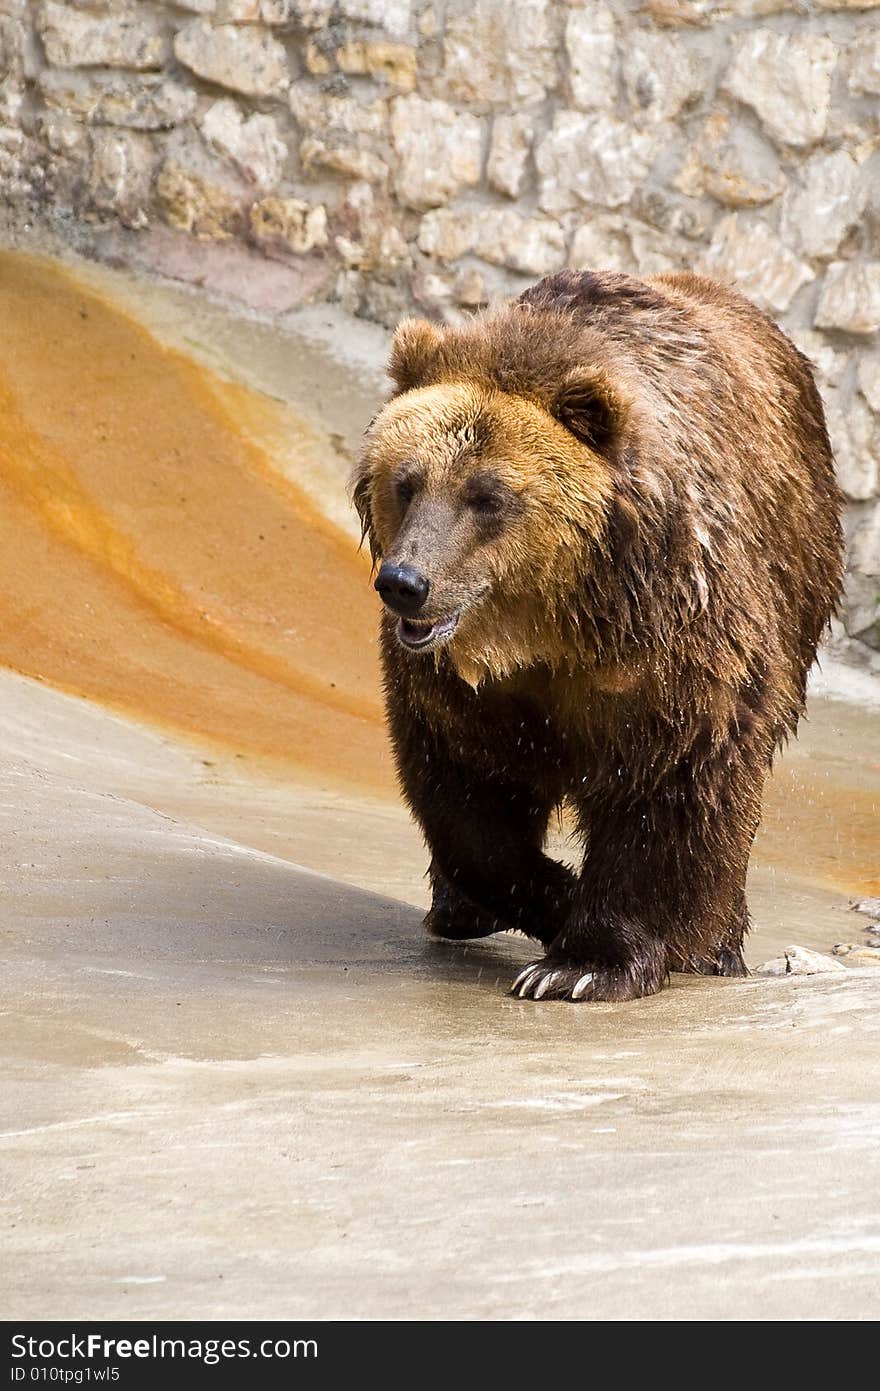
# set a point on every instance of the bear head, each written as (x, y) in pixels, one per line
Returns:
(486, 483)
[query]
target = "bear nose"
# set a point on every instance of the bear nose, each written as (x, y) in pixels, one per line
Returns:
(403, 588)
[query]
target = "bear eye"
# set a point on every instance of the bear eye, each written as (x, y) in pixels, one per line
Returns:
(488, 504)
(485, 496)
(405, 488)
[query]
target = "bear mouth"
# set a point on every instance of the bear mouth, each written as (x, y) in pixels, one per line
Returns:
(419, 636)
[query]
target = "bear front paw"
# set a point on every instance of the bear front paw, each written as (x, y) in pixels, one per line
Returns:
(559, 980)
(548, 980)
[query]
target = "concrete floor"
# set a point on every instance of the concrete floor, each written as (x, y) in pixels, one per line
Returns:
(239, 1083)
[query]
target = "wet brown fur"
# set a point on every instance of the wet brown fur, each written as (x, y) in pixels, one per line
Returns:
(640, 609)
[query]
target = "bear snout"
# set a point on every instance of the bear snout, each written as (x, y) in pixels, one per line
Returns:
(403, 588)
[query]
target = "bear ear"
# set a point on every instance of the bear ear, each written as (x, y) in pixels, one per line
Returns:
(413, 353)
(589, 405)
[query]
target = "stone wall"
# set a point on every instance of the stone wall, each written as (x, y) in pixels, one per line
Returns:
(401, 154)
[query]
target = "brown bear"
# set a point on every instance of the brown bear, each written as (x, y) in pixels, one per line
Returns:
(609, 535)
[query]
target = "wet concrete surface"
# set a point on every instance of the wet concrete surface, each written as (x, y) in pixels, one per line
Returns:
(238, 1081)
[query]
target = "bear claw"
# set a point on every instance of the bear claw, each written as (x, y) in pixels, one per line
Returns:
(544, 984)
(541, 981)
(523, 980)
(580, 987)
(553, 980)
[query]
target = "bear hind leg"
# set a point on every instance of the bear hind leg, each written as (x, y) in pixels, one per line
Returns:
(453, 917)
(726, 959)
